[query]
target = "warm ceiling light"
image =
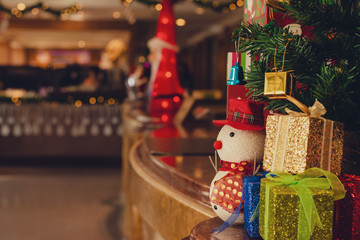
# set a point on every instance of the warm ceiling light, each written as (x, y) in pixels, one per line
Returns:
(240, 3)
(158, 7)
(180, 22)
(116, 14)
(199, 11)
(232, 7)
(78, 103)
(21, 6)
(92, 100)
(81, 44)
(14, 11)
(35, 11)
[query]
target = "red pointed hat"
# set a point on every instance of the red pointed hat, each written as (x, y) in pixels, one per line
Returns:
(244, 114)
(166, 23)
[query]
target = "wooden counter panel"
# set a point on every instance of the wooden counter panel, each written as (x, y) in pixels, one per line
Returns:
(172, 213)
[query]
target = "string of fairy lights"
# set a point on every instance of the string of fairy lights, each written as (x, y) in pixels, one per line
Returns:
(216, 5)
(21, 9)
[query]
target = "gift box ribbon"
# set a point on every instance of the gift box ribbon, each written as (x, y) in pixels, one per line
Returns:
(301, 183)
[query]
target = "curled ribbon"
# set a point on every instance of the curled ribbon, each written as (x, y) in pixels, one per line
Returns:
(301, 183)
(231, 220)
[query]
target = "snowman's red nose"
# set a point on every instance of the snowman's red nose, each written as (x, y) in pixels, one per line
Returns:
(217, 145)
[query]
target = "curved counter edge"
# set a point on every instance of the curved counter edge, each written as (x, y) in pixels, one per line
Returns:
(169, 212)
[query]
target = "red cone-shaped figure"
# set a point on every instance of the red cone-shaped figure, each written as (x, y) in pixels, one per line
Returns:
(166, 92)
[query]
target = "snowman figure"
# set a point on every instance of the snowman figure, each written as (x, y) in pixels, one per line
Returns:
(239, 144)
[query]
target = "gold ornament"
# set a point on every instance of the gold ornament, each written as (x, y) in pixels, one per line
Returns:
(279, 84)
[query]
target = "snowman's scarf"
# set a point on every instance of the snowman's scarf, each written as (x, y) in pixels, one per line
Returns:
(227, 166)
(227, 190)
(242, 167)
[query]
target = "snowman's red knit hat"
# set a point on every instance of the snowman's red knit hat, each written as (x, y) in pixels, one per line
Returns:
(244, 114)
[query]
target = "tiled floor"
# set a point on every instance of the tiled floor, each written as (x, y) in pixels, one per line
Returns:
(60, 203)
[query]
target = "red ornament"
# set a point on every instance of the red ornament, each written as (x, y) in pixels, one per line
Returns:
(286, 21)
(347, 210)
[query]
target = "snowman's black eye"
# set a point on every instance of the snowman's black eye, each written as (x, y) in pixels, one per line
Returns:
(232, 134)
(215, 207)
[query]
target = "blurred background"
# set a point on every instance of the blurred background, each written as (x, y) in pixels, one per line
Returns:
(66, 70)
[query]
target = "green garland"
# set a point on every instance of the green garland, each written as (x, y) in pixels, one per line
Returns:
(41, 6)
(326, 66)
(212, 4)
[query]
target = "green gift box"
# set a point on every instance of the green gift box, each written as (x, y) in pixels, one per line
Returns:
(298, 206)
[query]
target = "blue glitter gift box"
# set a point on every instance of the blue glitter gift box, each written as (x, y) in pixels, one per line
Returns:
(251, 194)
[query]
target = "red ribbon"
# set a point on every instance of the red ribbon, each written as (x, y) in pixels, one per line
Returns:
(349, 177)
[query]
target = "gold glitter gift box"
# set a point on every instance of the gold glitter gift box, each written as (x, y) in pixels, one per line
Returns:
(284, 216)
(295, 143)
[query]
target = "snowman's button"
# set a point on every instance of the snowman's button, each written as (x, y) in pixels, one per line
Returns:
(233, 165)
(230, 181)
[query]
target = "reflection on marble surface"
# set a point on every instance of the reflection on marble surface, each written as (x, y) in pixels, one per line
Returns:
(58, 204)
(203, 231)
(195, 167)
